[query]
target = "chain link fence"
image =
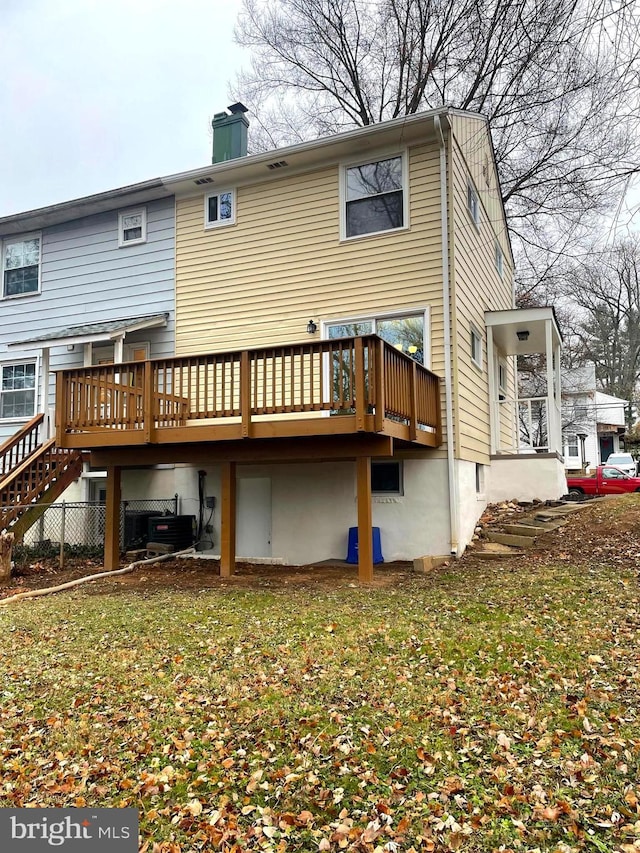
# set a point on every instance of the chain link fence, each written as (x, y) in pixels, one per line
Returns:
(77, 528)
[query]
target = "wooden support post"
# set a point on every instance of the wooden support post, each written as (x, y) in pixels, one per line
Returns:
(365, 529)
(378, 353)
(361, 403)
(245, 393)
(60, 408)
(228, 520)
(413, 403)
(6, 549)
(112, 520)
(147, 402)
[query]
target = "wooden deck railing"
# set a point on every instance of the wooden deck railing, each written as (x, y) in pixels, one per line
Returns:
(19, 446)
(373, 386)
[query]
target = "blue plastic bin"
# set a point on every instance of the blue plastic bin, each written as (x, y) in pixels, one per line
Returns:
(352, 546)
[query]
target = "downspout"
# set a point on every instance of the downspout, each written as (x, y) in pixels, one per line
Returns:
(448, 382)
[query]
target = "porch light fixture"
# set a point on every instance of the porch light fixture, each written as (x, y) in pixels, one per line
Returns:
(312, 327)
(70, 347)
(523, 334)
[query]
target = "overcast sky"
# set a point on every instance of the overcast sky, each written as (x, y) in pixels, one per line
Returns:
(97, 94)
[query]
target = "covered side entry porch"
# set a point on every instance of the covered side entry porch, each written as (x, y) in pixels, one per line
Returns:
(525, 404)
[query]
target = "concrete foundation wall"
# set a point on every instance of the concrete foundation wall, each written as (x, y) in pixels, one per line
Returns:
(527, 478)
(471, 502)
(314, 504)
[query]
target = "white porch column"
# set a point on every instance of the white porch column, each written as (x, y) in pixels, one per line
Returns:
(45, 363)
(118, 350)
(551, 406)
(558, 377)
(87, 356)
(494, 426)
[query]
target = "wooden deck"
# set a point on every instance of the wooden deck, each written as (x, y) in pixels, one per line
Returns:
(338, 387)
(352, 398)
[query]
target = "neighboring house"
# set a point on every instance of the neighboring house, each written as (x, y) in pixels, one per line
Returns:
(84, 282)
(345, 345)
(592, 422)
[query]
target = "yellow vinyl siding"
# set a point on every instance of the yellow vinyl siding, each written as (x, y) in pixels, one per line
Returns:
(258, 282)
(476, 288)
(474, 144)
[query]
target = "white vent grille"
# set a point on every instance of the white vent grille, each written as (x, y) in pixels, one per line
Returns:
(279, 164)
(203, 181)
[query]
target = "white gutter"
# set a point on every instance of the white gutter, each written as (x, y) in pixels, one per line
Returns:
(448, 381)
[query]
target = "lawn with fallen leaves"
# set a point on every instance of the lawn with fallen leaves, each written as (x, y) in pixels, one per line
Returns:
(485, 707)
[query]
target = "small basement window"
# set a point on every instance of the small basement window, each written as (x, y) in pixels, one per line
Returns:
(386, 478)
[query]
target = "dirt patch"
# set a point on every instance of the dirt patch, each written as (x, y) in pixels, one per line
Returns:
(196, 574)
(606, 531)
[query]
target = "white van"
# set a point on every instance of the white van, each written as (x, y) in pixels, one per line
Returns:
(624, 461)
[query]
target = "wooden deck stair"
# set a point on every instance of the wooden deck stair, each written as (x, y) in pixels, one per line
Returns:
(32, 476)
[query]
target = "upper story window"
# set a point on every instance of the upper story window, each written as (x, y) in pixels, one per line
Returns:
(18, 391)
(476, 347)
(374, 197)
(219, 209)
(499, 260)
(132, 227)
(473, 203)
(21, 266)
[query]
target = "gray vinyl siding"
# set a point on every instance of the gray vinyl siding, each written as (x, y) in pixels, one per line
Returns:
(87, 278)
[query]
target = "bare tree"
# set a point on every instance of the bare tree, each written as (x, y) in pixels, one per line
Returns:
(605, 327)
(557, 79)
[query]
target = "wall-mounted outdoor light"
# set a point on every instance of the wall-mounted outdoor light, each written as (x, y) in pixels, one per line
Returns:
(312, 327)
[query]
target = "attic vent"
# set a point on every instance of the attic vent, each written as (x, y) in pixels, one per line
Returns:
(277, 165)
(203, 181)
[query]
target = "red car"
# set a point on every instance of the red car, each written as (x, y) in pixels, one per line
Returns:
(607, 480)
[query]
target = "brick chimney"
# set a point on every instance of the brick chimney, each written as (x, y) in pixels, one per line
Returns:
(230, 134)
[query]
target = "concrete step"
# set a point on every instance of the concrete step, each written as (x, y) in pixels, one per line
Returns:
(523, 529)
(496, 551)
(511, 539)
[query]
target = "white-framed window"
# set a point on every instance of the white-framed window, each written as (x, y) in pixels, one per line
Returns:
(387, 478)
(373, 196)
(132, 227)
(21, 265)
(407, 331)
(502, 378)
(580, 411)
(17, 390)
(475, 339)
(220, 208)
(499, 260)
(473, 204)
(572, 446)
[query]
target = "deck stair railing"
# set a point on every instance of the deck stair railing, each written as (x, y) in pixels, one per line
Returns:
(21, 445)
(32, 476)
